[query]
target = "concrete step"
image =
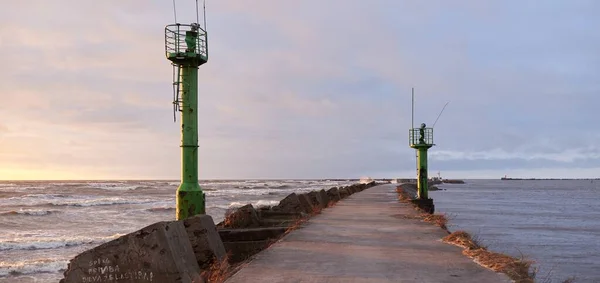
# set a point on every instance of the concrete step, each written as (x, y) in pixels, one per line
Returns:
(251, 234)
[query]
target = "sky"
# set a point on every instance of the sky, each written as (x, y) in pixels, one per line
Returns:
(303, 89)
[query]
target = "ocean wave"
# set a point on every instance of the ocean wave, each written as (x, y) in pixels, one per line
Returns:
(30, 212)
(259, 203)
(160, 209)
(32, 199)
(100, 202)
(47, 265)
(52, 243)
(113, 186)
(7, 185)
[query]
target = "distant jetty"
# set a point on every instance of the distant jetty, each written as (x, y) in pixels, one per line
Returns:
(546, 179)
(432, 181)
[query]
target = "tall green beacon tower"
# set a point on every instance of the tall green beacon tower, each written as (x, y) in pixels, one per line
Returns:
(186, 47)
(421, 139)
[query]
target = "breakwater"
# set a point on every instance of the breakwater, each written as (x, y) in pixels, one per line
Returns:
(197, 249)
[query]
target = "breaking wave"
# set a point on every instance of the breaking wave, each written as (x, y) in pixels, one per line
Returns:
(52, 243)
(47, 265)
(255, 204)
(160, 209)
(29, 212)
(102, 201)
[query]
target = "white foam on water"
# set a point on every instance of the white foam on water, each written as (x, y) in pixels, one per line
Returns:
(30, 212)
(46, 265)
(259, 203)
(117, 186)
(7, 185)
(40, 243)
(31, 199)
(65, 200)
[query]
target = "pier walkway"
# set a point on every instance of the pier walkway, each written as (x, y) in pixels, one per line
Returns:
(367, 237)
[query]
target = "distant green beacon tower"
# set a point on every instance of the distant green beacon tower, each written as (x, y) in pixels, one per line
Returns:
(186, 47)
(421, 139)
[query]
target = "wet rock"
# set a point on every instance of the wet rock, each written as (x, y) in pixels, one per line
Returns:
(205, 240)
(161, 252)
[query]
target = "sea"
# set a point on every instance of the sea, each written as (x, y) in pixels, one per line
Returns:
(555, 223)
(43, 224)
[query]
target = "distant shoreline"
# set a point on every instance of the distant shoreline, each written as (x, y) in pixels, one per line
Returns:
(547, 179)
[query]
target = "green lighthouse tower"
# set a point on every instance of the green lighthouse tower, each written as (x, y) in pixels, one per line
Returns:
(187, 48)
(421, 139)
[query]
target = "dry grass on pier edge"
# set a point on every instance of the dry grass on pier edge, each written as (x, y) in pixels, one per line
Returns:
(516, 269)
(218, 271)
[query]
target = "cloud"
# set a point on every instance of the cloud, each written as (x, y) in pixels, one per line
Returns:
(304, 89)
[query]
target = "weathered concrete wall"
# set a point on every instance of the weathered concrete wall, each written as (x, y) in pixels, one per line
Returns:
(160, 252)
(205, 240)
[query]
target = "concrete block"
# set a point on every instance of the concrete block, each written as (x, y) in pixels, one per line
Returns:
(205, 240)
(306, 204)
(281, 215)
(254, 234)
(240, 251)
(160, 252)
(316, 200)
(243, 217)
(291, 203)
(333, 194)
(344, 192)
(324, 198)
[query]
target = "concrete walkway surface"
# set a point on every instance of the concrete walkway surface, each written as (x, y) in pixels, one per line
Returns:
(366, 237)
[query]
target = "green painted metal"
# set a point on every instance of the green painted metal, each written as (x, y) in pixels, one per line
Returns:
(186, 48)
(421, 139)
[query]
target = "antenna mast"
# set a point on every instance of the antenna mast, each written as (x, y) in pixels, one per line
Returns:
(440, 114)
(412, 125)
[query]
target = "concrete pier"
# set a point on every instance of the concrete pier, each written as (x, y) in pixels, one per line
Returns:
(367, 237)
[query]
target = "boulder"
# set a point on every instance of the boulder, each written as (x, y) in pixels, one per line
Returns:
(161, 252)
(205, 240)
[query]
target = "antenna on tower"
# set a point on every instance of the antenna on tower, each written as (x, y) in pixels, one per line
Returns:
(204, 9)
(197, 17)
(440, 114)
(174, 11)
(413, 109)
